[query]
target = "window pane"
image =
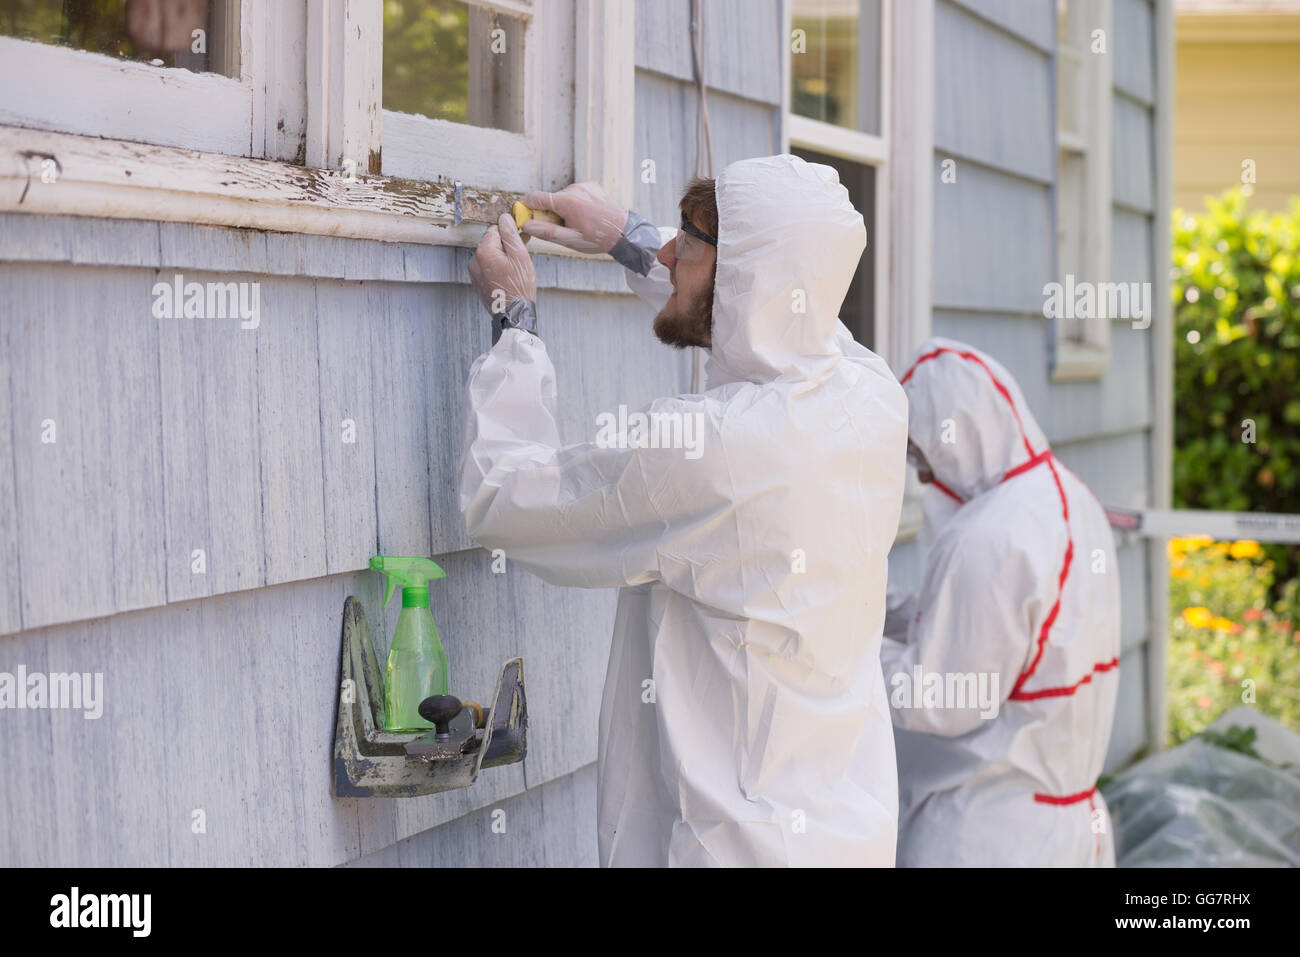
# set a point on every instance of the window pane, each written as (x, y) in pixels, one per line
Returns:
(859, 309)
(450, 60)
(835, 62)
(197, 35)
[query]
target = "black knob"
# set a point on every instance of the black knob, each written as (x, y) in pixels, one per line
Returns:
(440, 709)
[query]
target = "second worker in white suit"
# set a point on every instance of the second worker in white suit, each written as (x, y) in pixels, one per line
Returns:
(1018, 607)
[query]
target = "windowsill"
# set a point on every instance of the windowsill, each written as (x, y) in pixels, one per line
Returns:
(127, 180)
(1076, 361)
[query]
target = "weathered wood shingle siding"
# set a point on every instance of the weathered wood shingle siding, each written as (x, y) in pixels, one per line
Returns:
(994, 249)
(182, 434)
(742, 41)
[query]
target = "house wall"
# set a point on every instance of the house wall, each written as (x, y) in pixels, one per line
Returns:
(1237, 98)
(994, 248)
(174, 435)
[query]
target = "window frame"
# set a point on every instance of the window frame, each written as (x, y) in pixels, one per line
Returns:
(532, 158)
(309, 96)
(906, 169)
(1086, 357)
(868, 149)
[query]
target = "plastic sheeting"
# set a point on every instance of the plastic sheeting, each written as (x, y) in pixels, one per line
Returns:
(1202, 805)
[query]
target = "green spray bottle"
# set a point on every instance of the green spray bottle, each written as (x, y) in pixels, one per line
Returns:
(417, 665)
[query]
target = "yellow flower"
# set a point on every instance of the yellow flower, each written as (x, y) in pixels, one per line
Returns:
(1178, 547)
(1197, 616)
(1244, 549)
(1182, 573)
(1221, 624)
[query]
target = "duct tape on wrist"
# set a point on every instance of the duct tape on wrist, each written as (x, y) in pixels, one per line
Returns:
(639, 245)
(520, 314)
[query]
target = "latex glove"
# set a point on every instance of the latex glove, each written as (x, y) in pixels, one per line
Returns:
(593, 223)
(501, 270)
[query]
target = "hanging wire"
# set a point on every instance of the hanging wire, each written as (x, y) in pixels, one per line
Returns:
(704, 133)
(703, 144)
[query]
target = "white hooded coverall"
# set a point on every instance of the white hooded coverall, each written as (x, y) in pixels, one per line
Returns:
(1020, 581)
(744, 719)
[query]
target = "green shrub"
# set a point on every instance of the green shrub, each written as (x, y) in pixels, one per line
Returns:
(1236, 293)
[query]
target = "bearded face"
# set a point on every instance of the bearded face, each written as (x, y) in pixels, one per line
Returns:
(689, 324)
(687, 317)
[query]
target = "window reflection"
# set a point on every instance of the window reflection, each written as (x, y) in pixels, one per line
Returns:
(195, 35)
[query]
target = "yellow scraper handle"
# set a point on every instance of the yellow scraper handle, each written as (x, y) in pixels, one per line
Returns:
(524, 213)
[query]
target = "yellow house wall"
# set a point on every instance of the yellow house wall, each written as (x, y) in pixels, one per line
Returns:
(1236, 100)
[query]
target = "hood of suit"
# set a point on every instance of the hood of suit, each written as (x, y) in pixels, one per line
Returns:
(968, 417)
(789, 242)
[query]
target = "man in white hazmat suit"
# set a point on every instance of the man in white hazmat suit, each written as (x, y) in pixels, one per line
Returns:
(1003, 669)
(744, 719)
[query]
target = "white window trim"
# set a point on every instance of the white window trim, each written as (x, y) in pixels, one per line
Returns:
(904, 160)
(912, 187)
(1162, 361)
(321, 122)
(75, 91)
(1089, 358)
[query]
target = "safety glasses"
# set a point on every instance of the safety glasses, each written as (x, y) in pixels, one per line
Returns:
(693, 243)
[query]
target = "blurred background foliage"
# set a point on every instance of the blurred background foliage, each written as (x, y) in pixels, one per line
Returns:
(1225, 630)
(1236, 285)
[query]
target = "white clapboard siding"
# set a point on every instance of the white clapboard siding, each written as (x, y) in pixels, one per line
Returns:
(1133, 154)
(735, 31)
(1132, 49)
(227, 361)
(1114, 467)
(402, 367)
(288, 418)
(348, 467)
(993, 102)
(1065, 410)
(1131, 247)
(995, 248)
(666, 110)
(1128, 736)
(1032, 22)
(226, 705)
(10, 556)
(549, 826)
(221, 696)
(185, 458)
(993, 240)
(237, 433)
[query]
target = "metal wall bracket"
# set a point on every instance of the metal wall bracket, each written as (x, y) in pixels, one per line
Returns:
(370, 762)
